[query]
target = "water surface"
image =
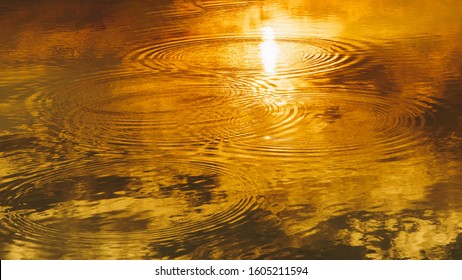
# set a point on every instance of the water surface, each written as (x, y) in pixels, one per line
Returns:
(231, 129)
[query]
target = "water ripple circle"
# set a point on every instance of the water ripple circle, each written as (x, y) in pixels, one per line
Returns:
(350, 121)
(139, 111)
(108, 203)
(250, 55)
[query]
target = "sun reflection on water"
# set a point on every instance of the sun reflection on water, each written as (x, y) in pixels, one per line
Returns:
(269, 50)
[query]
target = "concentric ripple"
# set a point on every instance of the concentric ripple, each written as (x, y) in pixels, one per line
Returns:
(101, 202)
(143, 112)
(260, 55)
(349, 122)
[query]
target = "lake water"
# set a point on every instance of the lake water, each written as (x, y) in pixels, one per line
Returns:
(220, 129)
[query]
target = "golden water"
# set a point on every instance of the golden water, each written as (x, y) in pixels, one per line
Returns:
(220, 129)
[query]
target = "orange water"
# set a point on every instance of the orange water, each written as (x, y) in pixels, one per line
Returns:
(231, 129)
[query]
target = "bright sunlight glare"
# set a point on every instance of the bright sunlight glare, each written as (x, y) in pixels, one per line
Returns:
(269, 50)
